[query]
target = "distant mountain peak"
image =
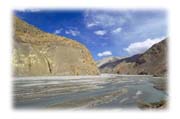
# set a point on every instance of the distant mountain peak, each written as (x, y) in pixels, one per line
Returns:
(106, 60)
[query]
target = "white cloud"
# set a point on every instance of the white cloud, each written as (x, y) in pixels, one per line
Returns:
(140, 47)
(100, 32)
(106, 19)
(91, 24)
(117, 30)
(105, 53)
(58, 31)
(73, 32)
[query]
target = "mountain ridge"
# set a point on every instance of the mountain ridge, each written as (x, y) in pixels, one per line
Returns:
(151, 62)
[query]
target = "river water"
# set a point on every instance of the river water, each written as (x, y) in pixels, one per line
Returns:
(88, 92)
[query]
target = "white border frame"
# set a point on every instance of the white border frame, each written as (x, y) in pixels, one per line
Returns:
(8, 112)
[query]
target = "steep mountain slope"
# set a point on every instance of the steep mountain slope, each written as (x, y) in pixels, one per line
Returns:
(36, 53)
(152, 62)
(107, 60)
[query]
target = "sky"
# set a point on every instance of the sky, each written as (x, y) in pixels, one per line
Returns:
(104, 32)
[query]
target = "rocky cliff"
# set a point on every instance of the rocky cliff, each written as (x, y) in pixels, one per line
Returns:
(37, 53)
(152, 62)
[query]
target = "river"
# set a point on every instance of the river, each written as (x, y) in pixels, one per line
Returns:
(88, 92)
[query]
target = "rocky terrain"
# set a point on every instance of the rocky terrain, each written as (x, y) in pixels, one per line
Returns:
(151, 62)
(106, 60)
(37, 53)
(46, 66)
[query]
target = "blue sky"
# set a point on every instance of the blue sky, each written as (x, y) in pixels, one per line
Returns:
(104, 32)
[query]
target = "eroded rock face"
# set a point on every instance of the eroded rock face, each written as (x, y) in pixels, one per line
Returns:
(36, 53)
(151, 62)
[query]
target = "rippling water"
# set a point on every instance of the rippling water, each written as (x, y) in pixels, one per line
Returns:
(77, 92)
